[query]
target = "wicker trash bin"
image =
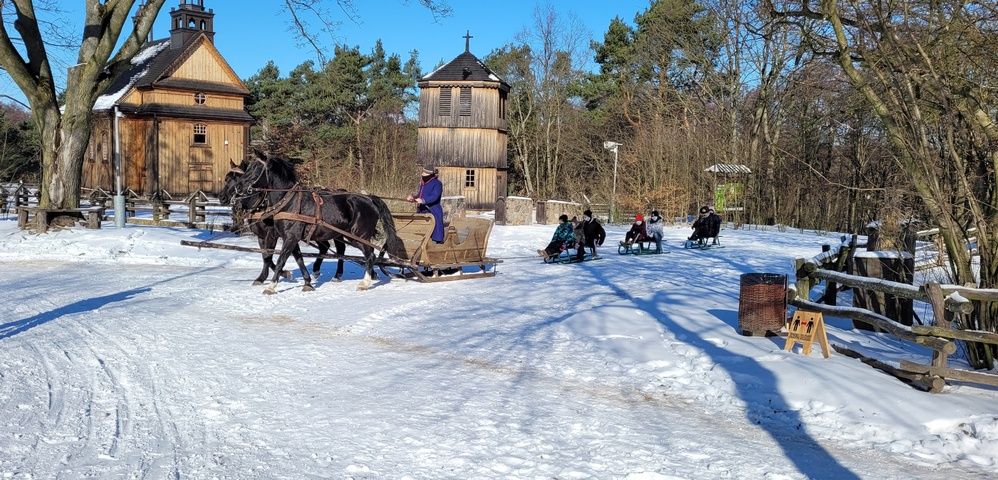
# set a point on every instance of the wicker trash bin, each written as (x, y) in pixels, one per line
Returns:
(762, 304)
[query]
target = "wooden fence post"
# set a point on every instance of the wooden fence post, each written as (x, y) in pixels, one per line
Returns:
(803, 283)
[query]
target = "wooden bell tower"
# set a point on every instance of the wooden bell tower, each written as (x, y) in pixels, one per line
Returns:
(463, 129)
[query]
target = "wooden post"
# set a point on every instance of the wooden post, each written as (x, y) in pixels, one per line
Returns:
(192, 209)
(803, 280)
(937, 301)
(851, 257)
(872, 239)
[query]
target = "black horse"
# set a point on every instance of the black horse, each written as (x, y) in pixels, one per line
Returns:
(267, 235)
(270, 187)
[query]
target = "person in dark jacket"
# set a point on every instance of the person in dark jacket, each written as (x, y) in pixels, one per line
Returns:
(713, 224)
(593, 234)
(563, 238)
(707, 226)
(427, 200)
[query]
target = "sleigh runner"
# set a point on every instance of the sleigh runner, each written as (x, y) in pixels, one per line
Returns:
(464, 245)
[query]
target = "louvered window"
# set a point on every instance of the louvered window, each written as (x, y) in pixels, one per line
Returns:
(502, 105)
(445, 102)
(465, 101)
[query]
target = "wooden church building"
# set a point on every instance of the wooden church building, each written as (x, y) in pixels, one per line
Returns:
(463, 129)
(180, 114)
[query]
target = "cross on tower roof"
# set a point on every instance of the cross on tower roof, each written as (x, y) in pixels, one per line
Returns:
(467, 41)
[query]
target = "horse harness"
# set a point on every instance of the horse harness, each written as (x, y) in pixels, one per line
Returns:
(314, 221)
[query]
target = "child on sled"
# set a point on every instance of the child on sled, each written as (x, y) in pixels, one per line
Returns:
(638, 231)
(563, 238)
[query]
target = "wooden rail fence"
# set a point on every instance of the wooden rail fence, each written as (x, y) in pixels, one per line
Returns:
(948, 303)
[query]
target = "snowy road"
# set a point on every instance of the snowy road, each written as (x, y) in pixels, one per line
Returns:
(155, 371)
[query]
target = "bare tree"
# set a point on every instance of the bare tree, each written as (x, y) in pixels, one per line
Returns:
(927, 69)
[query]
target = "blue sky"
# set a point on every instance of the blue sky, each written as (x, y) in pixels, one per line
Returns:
(251, 32)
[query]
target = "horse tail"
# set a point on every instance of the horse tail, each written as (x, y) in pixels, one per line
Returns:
(393, 243)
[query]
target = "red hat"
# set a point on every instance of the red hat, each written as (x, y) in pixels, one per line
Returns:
(639, 218)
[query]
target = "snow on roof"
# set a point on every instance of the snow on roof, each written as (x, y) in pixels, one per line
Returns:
(109, 100)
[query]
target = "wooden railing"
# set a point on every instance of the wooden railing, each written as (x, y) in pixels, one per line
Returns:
(13, 196)
(196, 210)
(949, 303)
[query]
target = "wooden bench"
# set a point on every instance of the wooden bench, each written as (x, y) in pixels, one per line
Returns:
(42, 217)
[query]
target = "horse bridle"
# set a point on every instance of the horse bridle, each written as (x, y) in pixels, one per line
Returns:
(239, 194)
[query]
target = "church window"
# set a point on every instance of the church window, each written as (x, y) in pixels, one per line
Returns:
(200, 98)
(469, 178)
(200, 134)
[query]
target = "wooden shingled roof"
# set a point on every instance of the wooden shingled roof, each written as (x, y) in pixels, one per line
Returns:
(464, 68)
(150, 69)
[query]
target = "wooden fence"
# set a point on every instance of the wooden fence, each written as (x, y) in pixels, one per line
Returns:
(197, 210)
(948, 302)
(18, 195)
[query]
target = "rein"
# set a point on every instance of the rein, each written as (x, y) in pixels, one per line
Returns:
(314, 221)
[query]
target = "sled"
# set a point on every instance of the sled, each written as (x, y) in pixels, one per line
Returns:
(642, 247)
(565, 257)
(460, 256)
(465, 241)
(704, 243)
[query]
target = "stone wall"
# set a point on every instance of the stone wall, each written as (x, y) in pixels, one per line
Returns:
(519, 211)
(454, 207)
(555, 208)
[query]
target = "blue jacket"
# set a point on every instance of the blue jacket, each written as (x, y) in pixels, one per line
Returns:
(431, 191)
(564, 233)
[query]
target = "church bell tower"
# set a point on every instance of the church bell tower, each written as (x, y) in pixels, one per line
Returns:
(189, 20)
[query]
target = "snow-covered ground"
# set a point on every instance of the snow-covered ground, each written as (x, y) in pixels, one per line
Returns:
(127, 355)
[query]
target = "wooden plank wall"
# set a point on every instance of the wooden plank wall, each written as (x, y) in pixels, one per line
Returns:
(135, 153)
(204, 65)
(186, 98)
(185, 167)
(485, 111)
(98, 160)
(480, 197)
(467, 147)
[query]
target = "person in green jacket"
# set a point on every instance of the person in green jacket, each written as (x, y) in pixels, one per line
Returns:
(563, 238)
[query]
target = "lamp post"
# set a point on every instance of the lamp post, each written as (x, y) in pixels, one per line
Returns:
(612, 146)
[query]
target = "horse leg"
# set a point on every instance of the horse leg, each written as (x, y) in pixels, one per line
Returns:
(304, 270)
(291, 247)
(368, 268)
(268, 260)
(341, 248)
(323, 249)
(268, 242)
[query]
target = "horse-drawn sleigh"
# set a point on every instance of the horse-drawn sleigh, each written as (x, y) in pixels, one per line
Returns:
(267, 193)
